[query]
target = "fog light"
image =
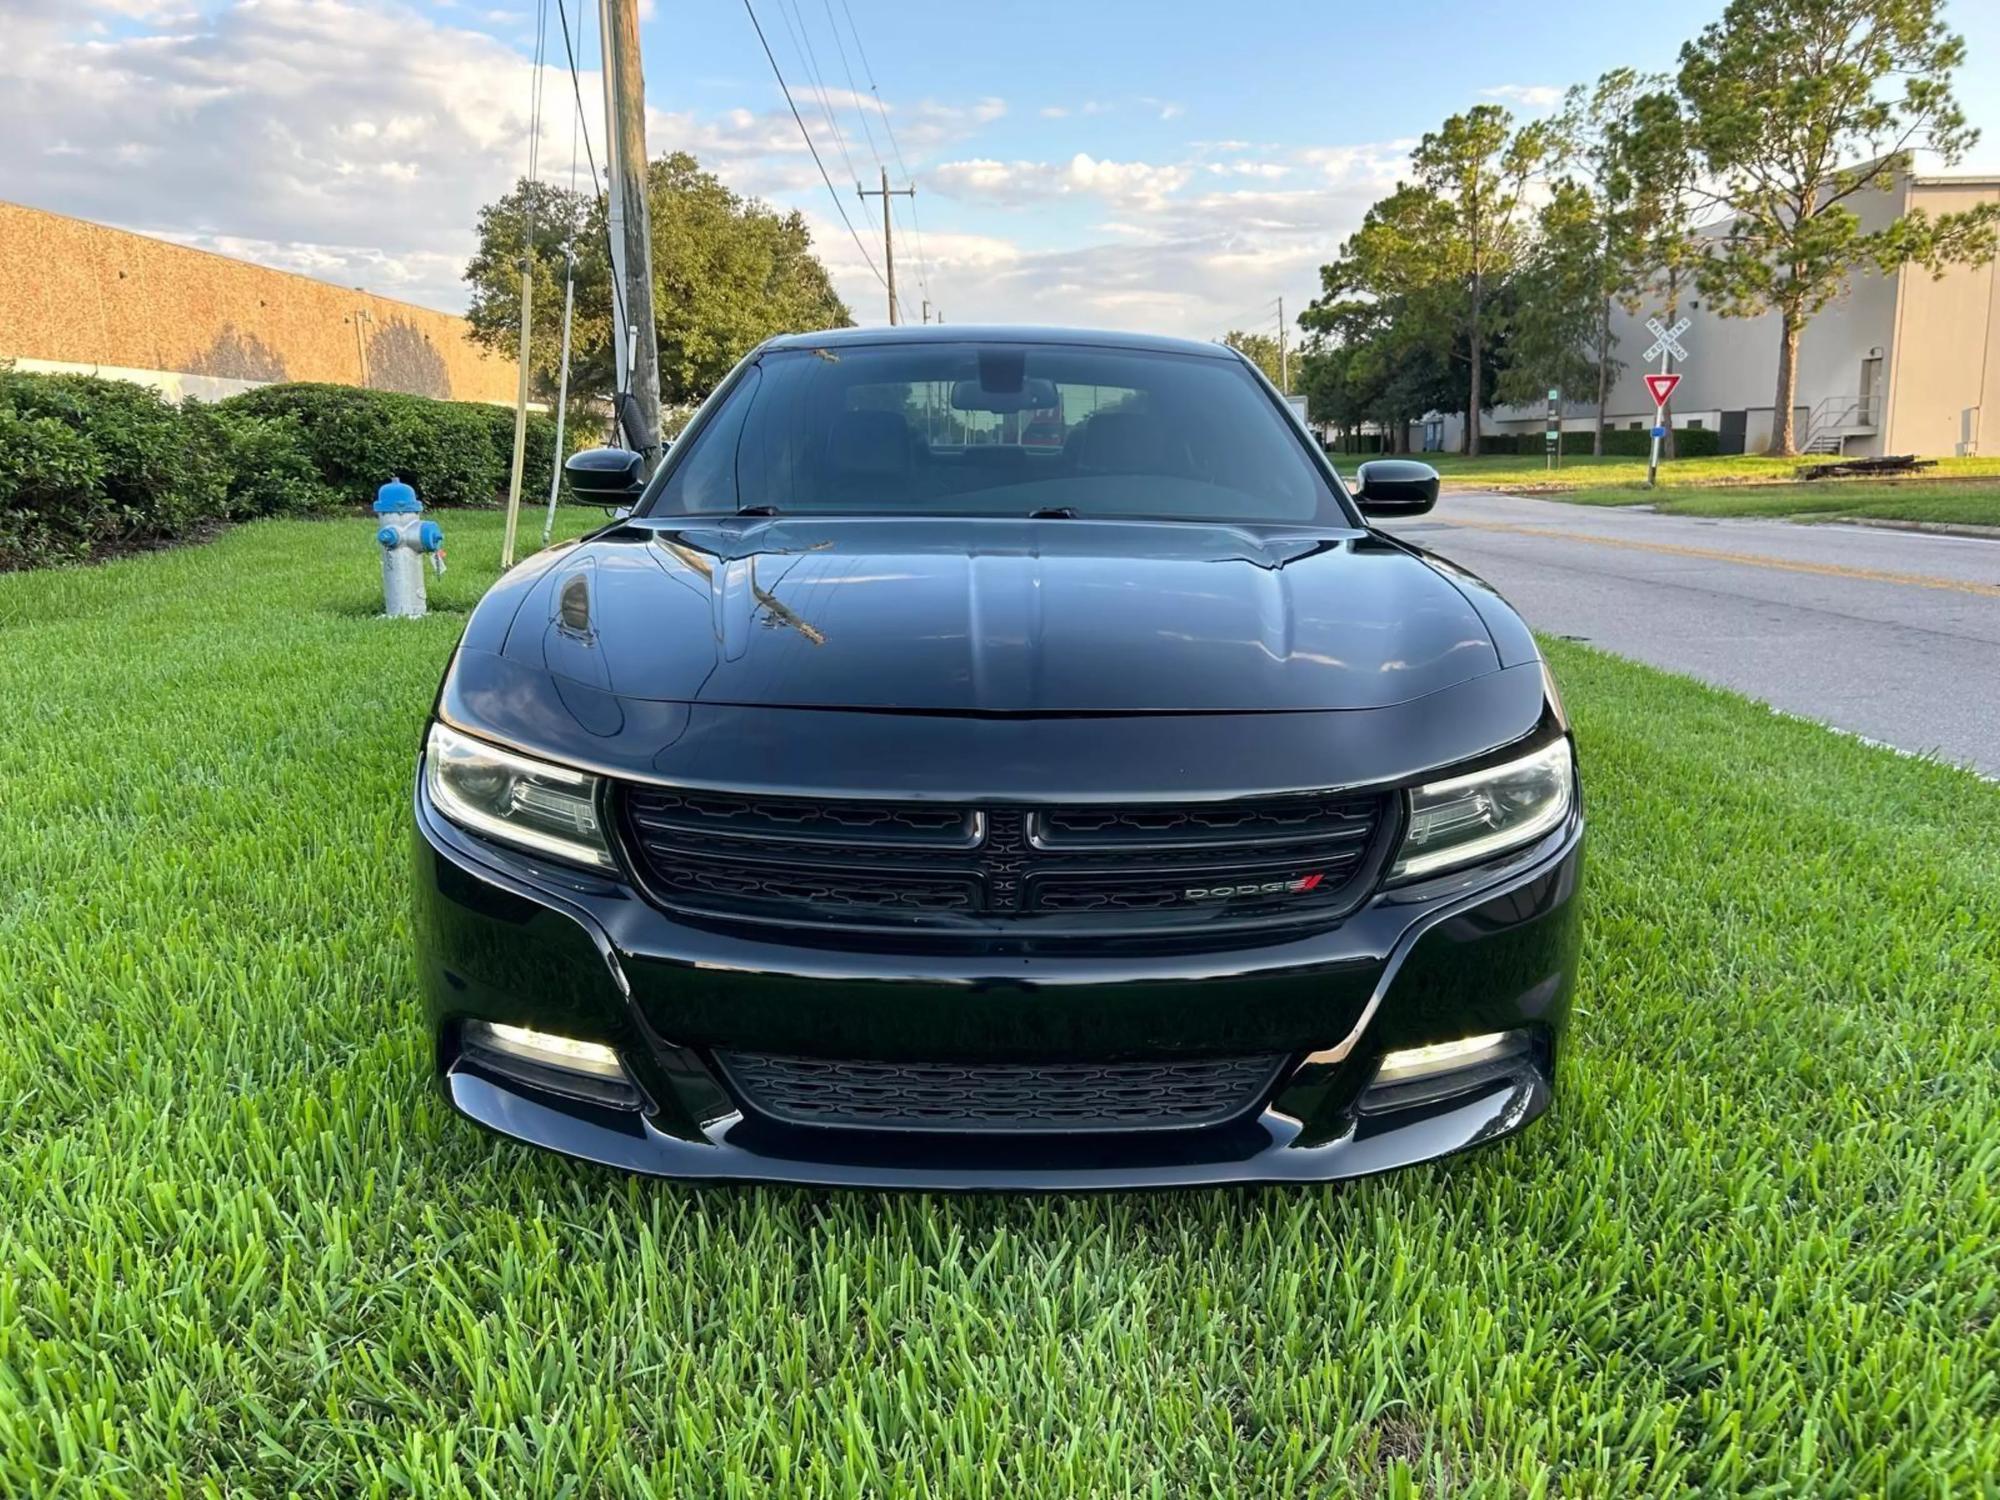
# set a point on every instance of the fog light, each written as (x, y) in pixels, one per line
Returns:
(1407, 1063)
(546, 1048)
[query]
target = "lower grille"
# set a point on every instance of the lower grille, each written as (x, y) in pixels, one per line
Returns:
(979, 1097)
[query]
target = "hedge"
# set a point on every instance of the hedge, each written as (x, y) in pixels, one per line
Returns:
(89, 465)
(1619, 442)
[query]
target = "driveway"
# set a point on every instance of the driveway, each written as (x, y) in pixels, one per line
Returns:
(1888, 634)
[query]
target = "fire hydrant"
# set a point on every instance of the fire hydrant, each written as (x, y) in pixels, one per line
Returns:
(406, 543)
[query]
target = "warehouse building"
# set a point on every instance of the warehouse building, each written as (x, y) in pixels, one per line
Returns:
(87, 298)
(1903, 364)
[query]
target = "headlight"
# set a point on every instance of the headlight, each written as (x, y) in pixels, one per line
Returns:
(1476, 816)
(514, 798)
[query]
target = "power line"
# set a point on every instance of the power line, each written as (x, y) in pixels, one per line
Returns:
(902, 167)
(853, 93)
(806, 135)
(590, 156)
(788, 11)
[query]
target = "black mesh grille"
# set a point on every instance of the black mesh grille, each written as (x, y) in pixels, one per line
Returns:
(968, 868)
(792, 818)
(1274, 820)
(1000, 1096)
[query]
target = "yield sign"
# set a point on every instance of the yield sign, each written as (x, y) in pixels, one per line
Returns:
(1662, 386)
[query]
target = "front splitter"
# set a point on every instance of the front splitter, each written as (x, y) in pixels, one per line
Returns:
(1262, 1149)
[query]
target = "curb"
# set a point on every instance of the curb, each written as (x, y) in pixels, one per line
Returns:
(1935, 528)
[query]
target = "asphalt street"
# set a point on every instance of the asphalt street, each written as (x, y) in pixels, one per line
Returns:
(1892, 635)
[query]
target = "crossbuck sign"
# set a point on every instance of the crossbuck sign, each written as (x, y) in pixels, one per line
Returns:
(1666, 340)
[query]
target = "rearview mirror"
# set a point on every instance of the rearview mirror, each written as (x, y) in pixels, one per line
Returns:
(1395, 487)
(605, 476)
(1033, 395)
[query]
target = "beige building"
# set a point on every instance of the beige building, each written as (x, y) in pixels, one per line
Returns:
(1903, 364)
(83, 297)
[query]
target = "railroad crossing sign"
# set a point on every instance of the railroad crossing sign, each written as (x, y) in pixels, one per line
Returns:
(1666, 340)
(1662, 386)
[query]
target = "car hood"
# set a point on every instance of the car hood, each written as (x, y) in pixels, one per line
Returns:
(999, 616)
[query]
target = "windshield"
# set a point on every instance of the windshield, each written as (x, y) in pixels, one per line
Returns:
(1000, 429)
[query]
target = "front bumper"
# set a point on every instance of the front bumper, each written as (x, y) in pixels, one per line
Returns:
(504, 938)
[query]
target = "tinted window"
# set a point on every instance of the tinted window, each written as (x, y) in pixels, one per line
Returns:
(1001, 429)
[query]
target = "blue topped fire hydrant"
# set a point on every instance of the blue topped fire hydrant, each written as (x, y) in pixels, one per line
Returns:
(406, 543)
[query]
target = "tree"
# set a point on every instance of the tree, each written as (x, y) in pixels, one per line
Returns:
(1779, 94)
(1560, 335)
(1476, 168)
(1655, 147)
(1385, 302)
(728, 273)
(1588, 249)
(1261, 349)
(547, 219)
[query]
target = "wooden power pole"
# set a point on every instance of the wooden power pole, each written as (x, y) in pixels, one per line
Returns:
(888, 233)
(1284, 353)
(625, 104)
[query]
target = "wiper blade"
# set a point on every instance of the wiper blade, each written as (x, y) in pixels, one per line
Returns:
(758, 510)
(1053, 513)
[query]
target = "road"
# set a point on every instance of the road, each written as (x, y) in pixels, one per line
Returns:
(1892, 635)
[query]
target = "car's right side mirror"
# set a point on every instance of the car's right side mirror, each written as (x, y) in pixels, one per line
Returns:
(1395, 487)
(605, 476)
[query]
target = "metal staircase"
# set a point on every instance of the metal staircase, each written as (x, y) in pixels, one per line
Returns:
(1834, 419)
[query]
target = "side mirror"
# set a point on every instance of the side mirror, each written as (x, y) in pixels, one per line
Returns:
(605, 476)
(1395, 487)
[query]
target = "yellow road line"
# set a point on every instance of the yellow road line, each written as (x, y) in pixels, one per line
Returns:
(1710, 554)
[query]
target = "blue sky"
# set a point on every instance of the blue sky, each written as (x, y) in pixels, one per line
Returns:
(1158, 165)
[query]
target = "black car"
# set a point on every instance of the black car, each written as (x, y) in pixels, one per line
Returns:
(888, 799)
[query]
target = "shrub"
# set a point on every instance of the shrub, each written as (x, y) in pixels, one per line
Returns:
(88, 464)
(1637, 442)
(49, 483)
(453, 452)
(100, 463)
(271, 467)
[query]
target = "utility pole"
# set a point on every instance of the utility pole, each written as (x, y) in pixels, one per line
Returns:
(625, 87)
(1284, 353)
(614, 204)
(888, 232)
(927, 310)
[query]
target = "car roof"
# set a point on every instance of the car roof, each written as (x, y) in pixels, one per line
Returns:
(997, 333)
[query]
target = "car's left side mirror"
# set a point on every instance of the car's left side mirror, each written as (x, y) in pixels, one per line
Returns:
(1395, 487)
(605, 476)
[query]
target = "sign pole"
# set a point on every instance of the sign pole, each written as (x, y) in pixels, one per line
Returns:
(1667, 345)
(1659, 424)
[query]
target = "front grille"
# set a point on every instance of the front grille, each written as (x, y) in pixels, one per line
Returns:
(859, 1095)
(1050, 871)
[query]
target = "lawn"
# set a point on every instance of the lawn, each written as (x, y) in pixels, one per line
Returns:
(1962, 503)
(1528, 471)
(244, 1250)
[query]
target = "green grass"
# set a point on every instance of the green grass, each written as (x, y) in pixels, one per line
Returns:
(1528, 472)
(244, 1250)
(1959, 503)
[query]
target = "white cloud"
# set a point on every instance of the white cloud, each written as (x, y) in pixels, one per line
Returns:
(1184, 253)
(352, 139)
(1269, 170)
(1135, 183)
(1537, 96)
(356, 140)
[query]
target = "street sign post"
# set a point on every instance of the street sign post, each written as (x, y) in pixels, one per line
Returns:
(1667, 345)
(1553, 436)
